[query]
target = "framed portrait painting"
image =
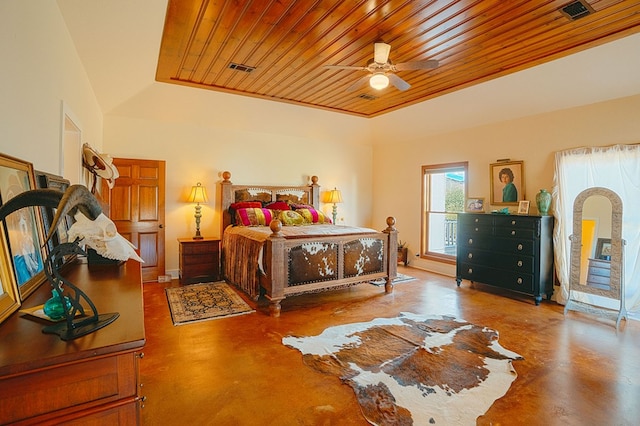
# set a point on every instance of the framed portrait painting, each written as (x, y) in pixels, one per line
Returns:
(23, 228)
(507, 182)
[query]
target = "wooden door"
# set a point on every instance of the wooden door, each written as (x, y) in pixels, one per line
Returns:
(136, 206)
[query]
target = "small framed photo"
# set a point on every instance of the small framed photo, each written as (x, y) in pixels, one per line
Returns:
(474, 205)
(523, 207)
(507, 182)
(603, 249)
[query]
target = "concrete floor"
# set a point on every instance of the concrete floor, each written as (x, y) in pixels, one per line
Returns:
(235, 371)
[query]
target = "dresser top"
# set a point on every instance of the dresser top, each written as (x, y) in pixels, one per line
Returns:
(112, 288)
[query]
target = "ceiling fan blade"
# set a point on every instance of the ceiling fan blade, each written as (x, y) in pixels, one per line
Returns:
(417, 65)
(359, 83)
(381, 52)
(345, 67)
(398, 82)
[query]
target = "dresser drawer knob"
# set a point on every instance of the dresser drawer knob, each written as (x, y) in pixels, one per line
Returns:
(519, 262)
(470, 256)
(470, 240)
(470, 271)
(476, 220)
(476, 229)
(520, 247)
(513, 222)
(519, 280)
(513, 232)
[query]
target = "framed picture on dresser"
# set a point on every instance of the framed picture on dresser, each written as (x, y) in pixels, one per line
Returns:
(46, 180)
(23, 228)
(9, 297)
(507, 182)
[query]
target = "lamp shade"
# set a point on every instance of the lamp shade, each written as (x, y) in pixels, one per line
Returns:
(379, 81)
(198, 194)
(335, 196)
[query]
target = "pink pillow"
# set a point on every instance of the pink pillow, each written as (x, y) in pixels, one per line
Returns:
(254, 217)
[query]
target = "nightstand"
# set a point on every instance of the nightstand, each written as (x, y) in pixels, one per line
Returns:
(199, 260)
(403, 255)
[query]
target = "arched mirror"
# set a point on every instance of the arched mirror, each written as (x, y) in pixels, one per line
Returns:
(597, 251)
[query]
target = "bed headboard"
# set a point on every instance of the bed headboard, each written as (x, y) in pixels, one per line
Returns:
(305, 194)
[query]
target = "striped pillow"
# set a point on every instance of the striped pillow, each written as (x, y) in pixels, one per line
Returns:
(311, 215)
(253, 217)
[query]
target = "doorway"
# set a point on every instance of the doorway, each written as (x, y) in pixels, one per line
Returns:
(136, 205)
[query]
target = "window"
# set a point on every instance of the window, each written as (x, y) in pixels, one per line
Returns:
(444, 188)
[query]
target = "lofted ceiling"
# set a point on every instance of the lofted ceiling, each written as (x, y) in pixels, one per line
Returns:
(278, 49)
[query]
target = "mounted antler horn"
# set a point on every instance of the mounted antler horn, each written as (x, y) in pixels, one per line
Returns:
(75, 198)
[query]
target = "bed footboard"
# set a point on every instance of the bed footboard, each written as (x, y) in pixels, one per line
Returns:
(297, 266)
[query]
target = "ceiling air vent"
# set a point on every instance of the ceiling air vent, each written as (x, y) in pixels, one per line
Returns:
(240, 67)
(367, 97)
(577, 9)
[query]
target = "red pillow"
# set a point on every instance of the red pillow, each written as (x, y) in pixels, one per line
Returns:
(278, 205)
(245, 205)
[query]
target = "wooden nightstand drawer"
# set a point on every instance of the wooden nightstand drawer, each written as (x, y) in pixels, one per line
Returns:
(199, 260)
(203, 247)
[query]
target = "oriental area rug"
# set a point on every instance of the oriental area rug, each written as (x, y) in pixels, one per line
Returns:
(202, 302)
(414, 370)
(400, 278)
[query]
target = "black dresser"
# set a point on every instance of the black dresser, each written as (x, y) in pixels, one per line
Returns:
(508, 251)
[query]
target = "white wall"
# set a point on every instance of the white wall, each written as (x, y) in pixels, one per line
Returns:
(202, 133)
(40, 69)
(376, 163)
(397, 180)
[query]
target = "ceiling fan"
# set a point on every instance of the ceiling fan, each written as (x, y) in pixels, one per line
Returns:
(382, 70)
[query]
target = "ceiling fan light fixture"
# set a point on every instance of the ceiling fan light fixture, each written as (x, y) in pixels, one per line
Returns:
(379, 81)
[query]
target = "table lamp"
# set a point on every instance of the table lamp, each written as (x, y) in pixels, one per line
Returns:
(198, 195)
(335, 197)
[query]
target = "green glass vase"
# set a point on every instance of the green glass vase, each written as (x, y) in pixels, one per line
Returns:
(54, 308)
(543, 201)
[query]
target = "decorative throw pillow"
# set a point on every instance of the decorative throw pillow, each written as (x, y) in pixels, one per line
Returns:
(278, 205)
(234, 207)
(253, 217)
(312, 215)
(245, 205)
(290, 217)
(296, 206)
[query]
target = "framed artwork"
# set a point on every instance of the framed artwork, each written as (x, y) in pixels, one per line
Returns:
(523, 207)
(507, 182)
(474, 205)
(51, 181)
(9, 297)
(23, 228)
(603, 249)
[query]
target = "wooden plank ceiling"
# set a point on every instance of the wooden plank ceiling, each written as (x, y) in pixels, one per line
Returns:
(287, 43)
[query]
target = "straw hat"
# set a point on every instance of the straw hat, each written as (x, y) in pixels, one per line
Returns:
(99, 164)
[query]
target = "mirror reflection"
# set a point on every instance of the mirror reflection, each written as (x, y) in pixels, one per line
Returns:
(595, 254)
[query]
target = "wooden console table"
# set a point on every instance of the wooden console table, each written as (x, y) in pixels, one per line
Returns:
(92, 379)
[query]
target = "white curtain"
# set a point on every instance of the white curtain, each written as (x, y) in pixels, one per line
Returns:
(616, 168)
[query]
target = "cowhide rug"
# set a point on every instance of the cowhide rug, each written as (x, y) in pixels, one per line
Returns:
(414, 369)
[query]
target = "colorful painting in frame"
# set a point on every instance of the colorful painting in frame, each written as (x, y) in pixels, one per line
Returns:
(23, 228)
(9, 297)
(507, 182)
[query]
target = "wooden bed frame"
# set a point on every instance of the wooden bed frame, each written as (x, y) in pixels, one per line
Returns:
(278, 251)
